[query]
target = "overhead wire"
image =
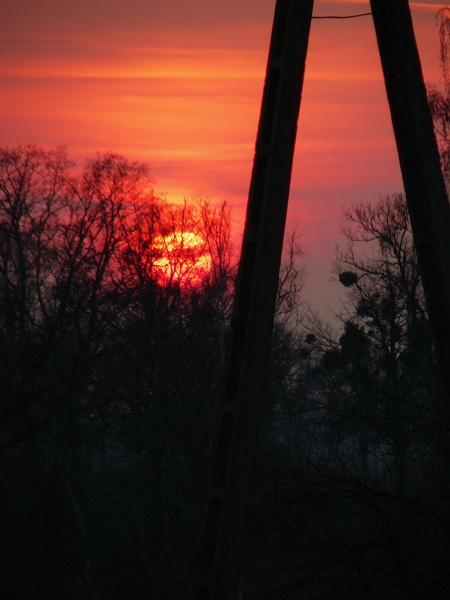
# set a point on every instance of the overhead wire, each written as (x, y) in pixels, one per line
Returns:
(366, 14)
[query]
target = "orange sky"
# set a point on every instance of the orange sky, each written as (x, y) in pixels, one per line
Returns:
(178, 84)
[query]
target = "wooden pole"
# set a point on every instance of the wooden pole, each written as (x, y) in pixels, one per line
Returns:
(422, 177)
(221, 549)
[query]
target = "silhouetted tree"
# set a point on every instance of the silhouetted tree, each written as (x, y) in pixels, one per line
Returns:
(114, 306)
(111, 331)
(352, 509)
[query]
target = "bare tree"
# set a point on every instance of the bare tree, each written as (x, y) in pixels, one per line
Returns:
(114, 306)
(58, 296)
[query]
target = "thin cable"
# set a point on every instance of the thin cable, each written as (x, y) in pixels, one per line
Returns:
(343, 17)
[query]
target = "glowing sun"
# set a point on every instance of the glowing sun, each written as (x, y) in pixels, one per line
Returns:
(182, 258)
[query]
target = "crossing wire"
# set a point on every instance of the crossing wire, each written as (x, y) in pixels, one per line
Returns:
(343, 16)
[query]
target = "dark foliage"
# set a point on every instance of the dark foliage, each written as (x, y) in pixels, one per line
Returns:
(109, 376)
(352, 500)
(112, 339)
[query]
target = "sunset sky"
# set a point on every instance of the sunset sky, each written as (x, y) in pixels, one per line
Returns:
(178, 84)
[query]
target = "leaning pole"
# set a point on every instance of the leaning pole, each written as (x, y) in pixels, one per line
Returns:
(424, 184)
(223, 533)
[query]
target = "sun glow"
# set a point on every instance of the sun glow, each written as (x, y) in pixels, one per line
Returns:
(181, 258)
